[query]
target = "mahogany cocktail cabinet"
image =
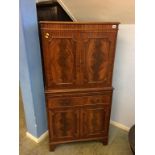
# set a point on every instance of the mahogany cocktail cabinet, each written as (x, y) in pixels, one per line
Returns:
(78, 60)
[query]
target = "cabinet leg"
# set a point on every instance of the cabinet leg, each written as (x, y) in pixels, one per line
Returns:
(105, 141)
(52, 147)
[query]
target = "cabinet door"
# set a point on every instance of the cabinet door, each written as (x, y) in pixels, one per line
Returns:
(95, 121)
(97, 59)
(63, 124)
(78, 55)
(60, 59)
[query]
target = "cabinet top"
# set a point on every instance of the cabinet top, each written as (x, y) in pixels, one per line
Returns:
(83, 26)
(80, 23)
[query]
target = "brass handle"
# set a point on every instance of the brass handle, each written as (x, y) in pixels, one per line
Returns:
(46, 35)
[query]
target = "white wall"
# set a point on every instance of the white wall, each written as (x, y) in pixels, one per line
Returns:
(123, 108)
(101, 10)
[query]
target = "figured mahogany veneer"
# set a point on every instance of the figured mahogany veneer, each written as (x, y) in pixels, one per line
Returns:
(78, 63)
(78, 101)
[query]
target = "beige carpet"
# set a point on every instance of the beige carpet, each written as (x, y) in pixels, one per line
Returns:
(118, 143)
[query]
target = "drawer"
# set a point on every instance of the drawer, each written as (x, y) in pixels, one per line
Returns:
(64, 102)
(78, 101)
(98, 99)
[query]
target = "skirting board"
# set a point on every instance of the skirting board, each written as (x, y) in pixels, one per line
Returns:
(35, 139)
(45, 134)
(121, 126)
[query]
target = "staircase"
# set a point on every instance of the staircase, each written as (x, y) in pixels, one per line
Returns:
(51, 11)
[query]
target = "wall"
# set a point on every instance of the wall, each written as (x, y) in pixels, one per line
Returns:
(25, 84)
(123, 108)
(101, 10)
(31, 80)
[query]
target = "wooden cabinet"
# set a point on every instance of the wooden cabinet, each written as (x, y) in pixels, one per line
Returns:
(78, 63)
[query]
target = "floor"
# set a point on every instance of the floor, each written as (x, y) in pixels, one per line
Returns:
(118, 143)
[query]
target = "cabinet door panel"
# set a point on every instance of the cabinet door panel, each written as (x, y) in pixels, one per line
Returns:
(97, 59)
(60, 59)
(95, 121)
(64, 124)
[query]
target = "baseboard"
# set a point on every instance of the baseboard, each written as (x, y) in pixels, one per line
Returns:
(67, 10)
(119, 125)
(45, 134)
(35, 139)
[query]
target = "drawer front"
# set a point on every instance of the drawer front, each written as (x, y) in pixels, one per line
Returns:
(78, 101)
(64, 102)
(98, 99)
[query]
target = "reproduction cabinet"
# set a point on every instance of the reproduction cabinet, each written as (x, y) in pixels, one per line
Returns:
(78, 61)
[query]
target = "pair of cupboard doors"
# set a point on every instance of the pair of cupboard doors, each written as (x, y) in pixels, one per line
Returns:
(78, 55)
(79, 117)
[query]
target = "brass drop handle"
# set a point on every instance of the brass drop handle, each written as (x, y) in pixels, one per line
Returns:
(46, 35)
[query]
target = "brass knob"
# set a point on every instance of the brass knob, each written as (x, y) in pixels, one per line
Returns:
(46, 35)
